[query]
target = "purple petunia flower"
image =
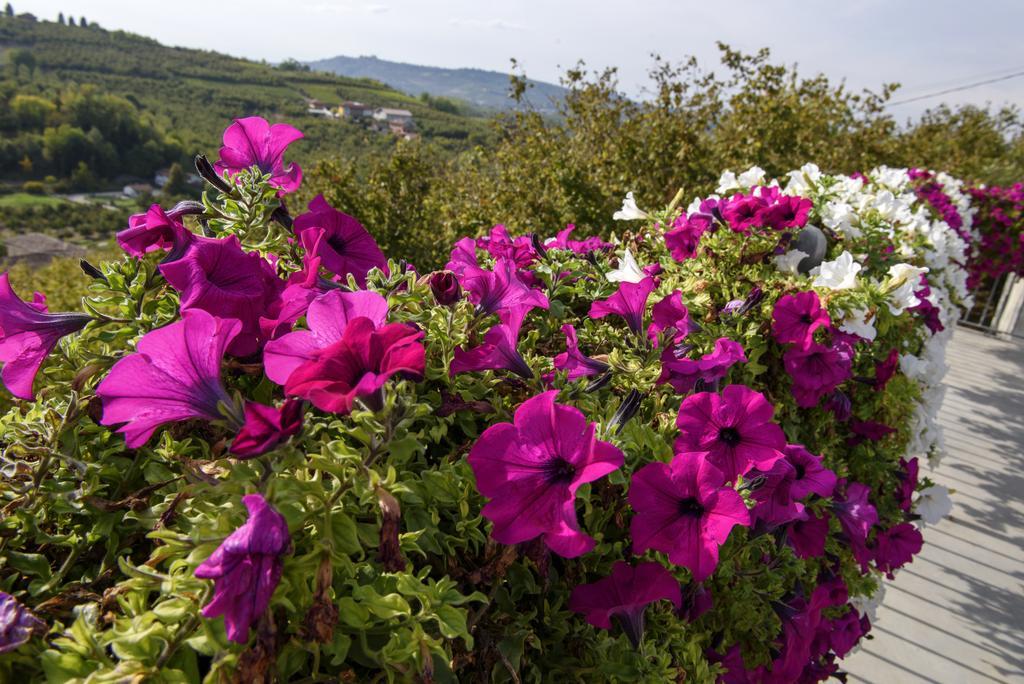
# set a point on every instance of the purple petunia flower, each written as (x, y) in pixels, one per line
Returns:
(246, 568)
(28, 333)
(807, 536)
(266, 427)
(735, 428)
(629, 301)
(856, 516)
(683, 238)
(816, 371)
(445, 288)
(173, 375)
(500, 245)
(502, 288)
(884, 370)
(776, 504)
(847, 630)
(17, 623)
(576, 362)
(796, 317)
(897, 546)
(671, 314)
(743, 212)
(787, 212)
(155, 230)
(341, 242)
(252, 142)
(811, 477)
(499, 349)
(582, 247)
(303, 287)
(625, 595)
(908, 483)
(683, 373)
(531, 468)
(358, 366)
(685, 510)
(219, 277)
(327, 317)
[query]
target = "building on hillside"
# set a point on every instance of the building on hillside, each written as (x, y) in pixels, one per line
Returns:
(386, 115)
(318, 108)
(355, 110)
(137, 190)
(37, 249)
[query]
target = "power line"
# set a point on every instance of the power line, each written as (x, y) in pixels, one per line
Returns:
(955, 82)
(957, 89)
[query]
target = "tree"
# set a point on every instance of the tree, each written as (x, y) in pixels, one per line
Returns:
(21, 58)
(71, 21)
(31, 112)
(175, 184)
(60, 18)
(9, 10)
(82, 22)
(26, 165)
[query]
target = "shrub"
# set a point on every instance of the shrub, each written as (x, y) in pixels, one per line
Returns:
(34, 187)
(688, 457)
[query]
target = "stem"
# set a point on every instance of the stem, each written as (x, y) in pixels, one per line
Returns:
(676, 200)
(182, 633)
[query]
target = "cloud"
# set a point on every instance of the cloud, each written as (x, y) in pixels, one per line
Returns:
(492, 24)
(377, 9)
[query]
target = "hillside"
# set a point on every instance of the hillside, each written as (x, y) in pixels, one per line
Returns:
(60, 84)
(484, 89)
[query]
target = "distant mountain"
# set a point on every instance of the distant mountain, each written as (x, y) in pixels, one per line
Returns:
(484, 89)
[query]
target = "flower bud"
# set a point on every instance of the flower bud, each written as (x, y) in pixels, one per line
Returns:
(445, 287)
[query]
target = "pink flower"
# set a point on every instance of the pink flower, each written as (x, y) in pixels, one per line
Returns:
(173, 375)
(531, 469)
(670, 314)
(857, 517)
(217, 276)
(154, 230)
(252, 142)
(796, 317)
(625, 595)
(684, 373)
(344, 246)
(501, 245)
(266, 427)
(811, 477)
(908, 483)
(685, 510)
(807, 536)
(499, 349)
(463, 257)
(501, 288)
(246, 568)
(27, 336)
(884, 370)
(788, 212)
(684, 237)
(445, 288)
(358, 366)
(846, 631)
(743, 212)
(816, 371)
(897, 546)
(573, 360)
(303, 287)
(776, 504)
(327, 317)
(629, 301)
(582, 247)
(734, 427)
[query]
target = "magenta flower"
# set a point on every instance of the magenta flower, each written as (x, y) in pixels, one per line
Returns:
(788, 212)
(908, 483)
(811, 477)
(246, 568)
(344, 247)
(499, 349)
(897, 546)
(219, 277)
(807, 536)
(743, 212)
(445, 288)
(173, 375)
(846, 631)
(685, 510)
(629, 301)
(463, 257)
(154, 230)
(625, 595)
(776, 504)
(670, 314)
(582, 247)
(17, 623)
(884, 370)
(327, 317)
(734, 427)
(501, 288)
(531, 468)
(816, 371)
(683, 373)
(358, 366)
(27, 336)
(252, 142)
(500, 245)
(683, 238)
(266, 427)
(796, 317)
(857, 517)
(867, 429)
(576, 362)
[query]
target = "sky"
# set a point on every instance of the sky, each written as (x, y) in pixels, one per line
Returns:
(927, 46)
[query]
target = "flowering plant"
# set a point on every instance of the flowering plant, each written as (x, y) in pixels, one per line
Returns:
(265, 450)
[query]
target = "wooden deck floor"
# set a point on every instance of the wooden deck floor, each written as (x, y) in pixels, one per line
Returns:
(956, 614)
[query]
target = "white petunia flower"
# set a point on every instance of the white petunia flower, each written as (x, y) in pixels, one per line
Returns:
(868, 605)
(860, 324)
(629, 211)
(839, 216)
(800, 181)
(627, 272)
(751, 177)
(727, 182)
(933, 504)
(788, 262)
(913, 367)
(904, 279)
(840, 274)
